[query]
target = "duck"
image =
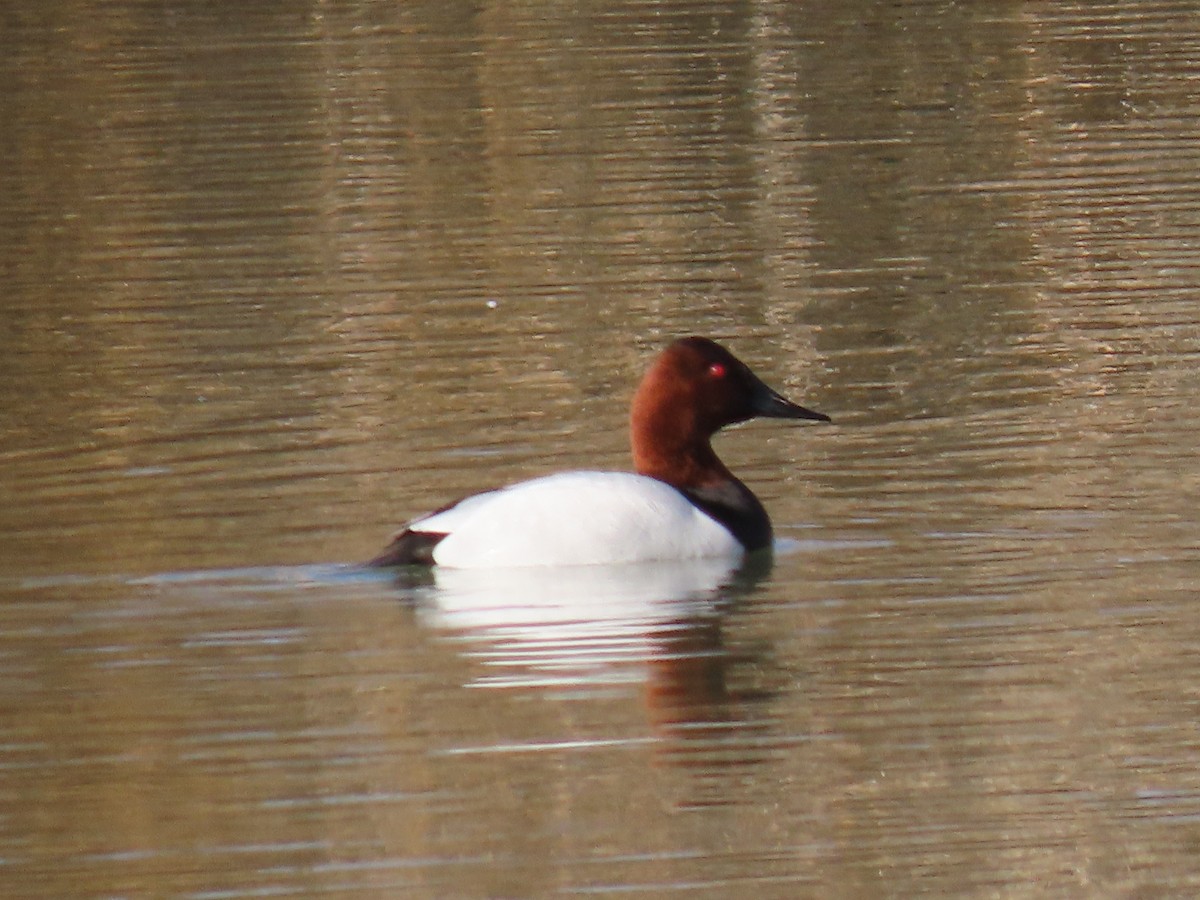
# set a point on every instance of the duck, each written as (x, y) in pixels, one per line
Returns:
(680, 502)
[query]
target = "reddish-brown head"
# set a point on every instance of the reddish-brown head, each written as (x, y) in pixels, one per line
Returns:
(695, 388)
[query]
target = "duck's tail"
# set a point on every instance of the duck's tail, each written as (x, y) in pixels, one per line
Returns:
(408, 548)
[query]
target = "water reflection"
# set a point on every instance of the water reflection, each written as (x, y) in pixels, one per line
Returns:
(248, 260)
(576, 632)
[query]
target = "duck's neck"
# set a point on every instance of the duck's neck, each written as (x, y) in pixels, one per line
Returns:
(683, 464)
(697, 472)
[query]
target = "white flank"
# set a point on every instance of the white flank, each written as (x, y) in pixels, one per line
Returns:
(576, 519)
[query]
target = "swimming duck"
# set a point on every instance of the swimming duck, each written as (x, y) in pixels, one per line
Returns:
(682, 503)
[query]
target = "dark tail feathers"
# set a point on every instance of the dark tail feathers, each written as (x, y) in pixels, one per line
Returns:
(408, 548)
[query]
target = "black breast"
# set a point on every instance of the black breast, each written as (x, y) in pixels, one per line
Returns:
(734, 505)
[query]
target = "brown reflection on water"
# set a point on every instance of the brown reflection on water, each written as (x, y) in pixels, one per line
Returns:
(708, 721)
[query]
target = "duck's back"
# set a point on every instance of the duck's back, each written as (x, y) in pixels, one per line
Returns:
(575, 518)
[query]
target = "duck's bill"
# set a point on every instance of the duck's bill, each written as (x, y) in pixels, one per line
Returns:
(774, 405)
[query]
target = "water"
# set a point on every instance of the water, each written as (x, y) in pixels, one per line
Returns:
(277, 280)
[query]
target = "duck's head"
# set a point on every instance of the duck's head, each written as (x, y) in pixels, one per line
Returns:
(693, 389)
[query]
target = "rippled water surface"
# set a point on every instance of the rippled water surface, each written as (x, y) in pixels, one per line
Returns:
(277, 279)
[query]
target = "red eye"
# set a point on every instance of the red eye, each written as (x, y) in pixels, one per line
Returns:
(716, 370)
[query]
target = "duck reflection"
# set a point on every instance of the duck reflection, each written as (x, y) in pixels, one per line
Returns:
(592, 630)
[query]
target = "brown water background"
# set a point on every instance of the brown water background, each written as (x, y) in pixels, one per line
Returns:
(276, 278)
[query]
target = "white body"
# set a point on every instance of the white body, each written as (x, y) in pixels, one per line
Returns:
(577, 519)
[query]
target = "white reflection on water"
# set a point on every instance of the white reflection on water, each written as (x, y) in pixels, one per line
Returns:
(656, 630)
(572, 625)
